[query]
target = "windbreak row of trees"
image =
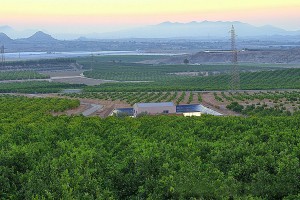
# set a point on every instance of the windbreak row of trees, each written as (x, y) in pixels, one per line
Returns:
(162, 157)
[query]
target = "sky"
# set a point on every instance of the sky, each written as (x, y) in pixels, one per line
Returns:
(88, 16)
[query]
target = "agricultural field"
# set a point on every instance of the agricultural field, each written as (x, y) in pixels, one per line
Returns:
(147, 72)
(264, 80)
(49, 152)
(131, 98)
(21, 75)
(260, 103)
(41, 65)
(94, 59)
(248, 103)
(156, 157)
(36, 87)
(134, 76)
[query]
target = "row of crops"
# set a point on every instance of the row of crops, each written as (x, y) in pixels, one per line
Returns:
(36, 87)
(137, 97)
(263, 80)
(21, 75)
(131, 69)
(274, 96)
(264, 109)
(142, 72)
(40, 65)
(278, 79)
(275, 103)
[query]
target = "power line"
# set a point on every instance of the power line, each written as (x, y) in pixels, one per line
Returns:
(2, 51)
(235, 74)
(92, 61)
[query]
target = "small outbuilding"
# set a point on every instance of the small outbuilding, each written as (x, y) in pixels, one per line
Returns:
(154, 108)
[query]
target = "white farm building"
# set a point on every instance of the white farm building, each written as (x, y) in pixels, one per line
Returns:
(154, 108)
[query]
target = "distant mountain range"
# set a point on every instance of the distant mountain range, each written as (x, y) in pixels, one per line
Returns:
(192, 30)
(203, 30)
(38, 37)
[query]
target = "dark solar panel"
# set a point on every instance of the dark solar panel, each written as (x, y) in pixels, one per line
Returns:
(128, 111)
(188, 108)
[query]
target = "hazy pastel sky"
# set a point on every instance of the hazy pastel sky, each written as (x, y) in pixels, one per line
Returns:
(84, 16)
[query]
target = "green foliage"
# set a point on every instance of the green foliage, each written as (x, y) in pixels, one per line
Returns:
(86, 61)
(263, 110)
(186, 61)
(274, 96)
(41, 64)
(161, 157)
(181, 98)
(217, 97)
(200, 97)
(129, 68)
(270, 103)
(134, 97)
(278, 79)
(235, 106)
(19, 75)
(191, 97)
(36, 87)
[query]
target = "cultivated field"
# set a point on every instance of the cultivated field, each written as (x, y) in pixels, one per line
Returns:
(121, 81)
(276, 103)
(248, 103)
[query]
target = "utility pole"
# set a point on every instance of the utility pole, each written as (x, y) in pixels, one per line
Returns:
(235, 74)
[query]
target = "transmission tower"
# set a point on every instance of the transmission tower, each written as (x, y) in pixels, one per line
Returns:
(235, 74)
(2, 51)
(92, 61)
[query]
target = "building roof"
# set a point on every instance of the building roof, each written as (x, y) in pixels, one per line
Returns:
(150, 105)
(196, 108)
(128, 111)
(188, 108)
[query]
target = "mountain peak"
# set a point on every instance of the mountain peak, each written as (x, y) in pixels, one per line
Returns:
(41, 37)
(4, 38)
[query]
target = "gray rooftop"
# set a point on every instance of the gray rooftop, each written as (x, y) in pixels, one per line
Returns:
(150, 105)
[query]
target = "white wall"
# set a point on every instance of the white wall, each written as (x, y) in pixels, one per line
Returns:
(153, 110)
